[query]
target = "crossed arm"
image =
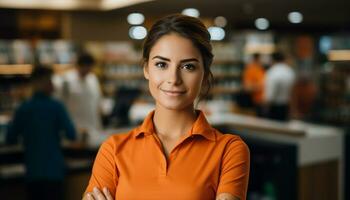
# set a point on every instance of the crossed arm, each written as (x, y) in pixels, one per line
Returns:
(96, 194)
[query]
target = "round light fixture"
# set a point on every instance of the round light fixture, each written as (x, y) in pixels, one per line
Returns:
(295, 17)
(135, 18)
(191, 12)
(137, 32)
(216, 33)
(220, 21)
(262, 23)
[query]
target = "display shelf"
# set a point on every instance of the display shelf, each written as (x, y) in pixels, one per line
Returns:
(335, 89)
(26, 69)
(16, 69)
(62, 68)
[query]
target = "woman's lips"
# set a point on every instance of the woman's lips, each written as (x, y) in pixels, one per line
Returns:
(173, 92)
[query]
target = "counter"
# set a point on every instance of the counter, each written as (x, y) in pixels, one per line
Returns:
(319, 151)
(316, 143)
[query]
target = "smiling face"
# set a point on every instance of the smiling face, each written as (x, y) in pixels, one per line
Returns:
(175, 72)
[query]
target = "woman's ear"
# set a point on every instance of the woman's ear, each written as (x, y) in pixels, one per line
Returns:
(145, 70)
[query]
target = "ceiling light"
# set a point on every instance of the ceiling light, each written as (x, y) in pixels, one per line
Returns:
(137, 32)
(135, 18)
(295, 17)
(220, 21)
(216, 33)
(262, 23)
(191, 12)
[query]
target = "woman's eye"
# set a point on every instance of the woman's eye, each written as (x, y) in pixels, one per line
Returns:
(160, 65)
(189, 67)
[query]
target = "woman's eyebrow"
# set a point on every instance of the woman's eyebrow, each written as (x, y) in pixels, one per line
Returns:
(190, 60)
(162, 58)
(184, 60)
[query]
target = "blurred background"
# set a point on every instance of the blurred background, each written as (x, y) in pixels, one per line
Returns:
(293, 113)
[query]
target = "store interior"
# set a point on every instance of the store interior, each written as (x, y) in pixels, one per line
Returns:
(305, 157)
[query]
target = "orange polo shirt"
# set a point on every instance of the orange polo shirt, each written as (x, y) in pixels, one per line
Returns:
(202, 164)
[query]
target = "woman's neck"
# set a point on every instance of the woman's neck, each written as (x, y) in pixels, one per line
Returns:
(173, 124)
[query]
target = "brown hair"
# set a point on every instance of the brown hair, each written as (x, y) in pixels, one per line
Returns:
(190, 28)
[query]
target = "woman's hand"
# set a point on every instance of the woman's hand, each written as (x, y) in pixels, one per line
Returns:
(96, 194)
(226, 196)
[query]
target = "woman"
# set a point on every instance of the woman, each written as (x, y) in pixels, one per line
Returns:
(175, 153)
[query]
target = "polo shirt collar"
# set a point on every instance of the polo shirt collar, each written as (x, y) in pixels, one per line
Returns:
(200, 127)
(146, 128)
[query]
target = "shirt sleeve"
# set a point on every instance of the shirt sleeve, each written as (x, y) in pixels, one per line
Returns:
(57, 81)
(270, 87)
(248, 78)
(66, 123)
(97, 89)
(235, 170)
(104, 171)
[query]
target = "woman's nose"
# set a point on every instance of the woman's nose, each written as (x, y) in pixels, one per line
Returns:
(174, 75)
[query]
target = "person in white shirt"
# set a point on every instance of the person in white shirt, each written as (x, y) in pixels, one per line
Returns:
(79, 89)
(279, 82)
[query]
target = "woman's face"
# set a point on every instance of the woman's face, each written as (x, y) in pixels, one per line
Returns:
(174, 72)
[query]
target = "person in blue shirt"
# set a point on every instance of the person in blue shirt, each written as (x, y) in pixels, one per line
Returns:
(40, 123)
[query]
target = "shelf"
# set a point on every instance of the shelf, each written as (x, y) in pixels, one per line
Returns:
(20, 69)
(342, 55)
(61, 68)
(26, 69)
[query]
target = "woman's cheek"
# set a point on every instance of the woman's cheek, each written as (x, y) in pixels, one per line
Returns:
(155, 77)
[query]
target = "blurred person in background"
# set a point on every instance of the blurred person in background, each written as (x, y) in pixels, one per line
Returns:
(79, 89)
(175, 153)
(40, 122)
(279, 82)
(253, 82)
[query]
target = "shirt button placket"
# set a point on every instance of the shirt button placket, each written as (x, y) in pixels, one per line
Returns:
(163, 167)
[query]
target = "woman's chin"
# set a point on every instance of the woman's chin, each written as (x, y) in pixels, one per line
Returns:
(175, 105)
